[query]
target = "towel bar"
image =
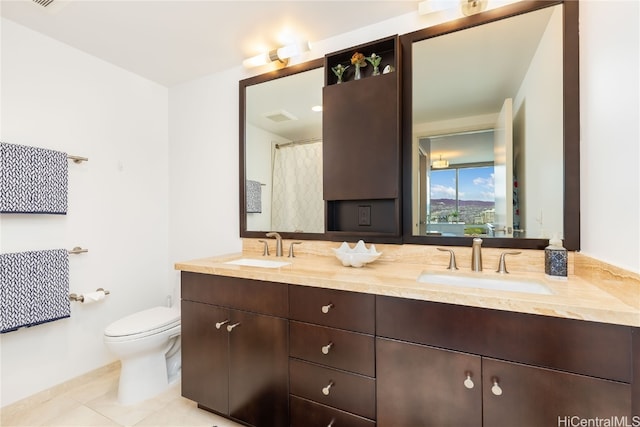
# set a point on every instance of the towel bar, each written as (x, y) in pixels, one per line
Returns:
(80, 298)
(77, 159)
(77, 250)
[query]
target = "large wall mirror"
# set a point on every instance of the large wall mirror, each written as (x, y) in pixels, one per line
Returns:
(281, 152)
(491, 128)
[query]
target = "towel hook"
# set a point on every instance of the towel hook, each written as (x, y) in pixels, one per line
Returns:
(77, 159)
(77, 250)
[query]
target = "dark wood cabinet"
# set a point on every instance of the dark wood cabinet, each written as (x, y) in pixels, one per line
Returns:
(305, 413)
(235, 362)
(425, 386)
(361, 143)
(526, 370)
(528, 396)
(332, 357)
(270, 354)
(205, 355)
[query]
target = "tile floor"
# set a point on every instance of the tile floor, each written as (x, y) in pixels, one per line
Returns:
(92, 402)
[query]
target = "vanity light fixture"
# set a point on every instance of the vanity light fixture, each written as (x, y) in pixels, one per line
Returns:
(281, 54)
(471, 7)
(440, 164)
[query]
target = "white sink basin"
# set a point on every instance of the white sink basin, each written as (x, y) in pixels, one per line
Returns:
(501, 283)
(264, 263)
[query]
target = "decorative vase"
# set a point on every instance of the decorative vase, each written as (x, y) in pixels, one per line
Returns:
(376, 71)
(357, 75)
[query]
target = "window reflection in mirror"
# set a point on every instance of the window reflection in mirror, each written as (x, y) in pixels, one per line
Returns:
(283, 154)
(489, 101)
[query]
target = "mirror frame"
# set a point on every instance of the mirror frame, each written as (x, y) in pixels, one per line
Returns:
(262, 78)
(571, 96)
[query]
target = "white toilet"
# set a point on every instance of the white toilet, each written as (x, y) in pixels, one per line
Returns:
(148, 346)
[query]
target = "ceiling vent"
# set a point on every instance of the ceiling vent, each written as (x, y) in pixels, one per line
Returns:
(280, 116)
(51, 6)
(43, 3)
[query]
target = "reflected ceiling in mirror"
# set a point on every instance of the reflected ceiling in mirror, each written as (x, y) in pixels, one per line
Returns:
(503, 78)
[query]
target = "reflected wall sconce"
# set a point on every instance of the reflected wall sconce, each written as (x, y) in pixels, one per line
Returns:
(440, 164)
(281, 54)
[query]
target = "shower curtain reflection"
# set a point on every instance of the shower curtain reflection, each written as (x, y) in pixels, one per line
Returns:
(297, 204)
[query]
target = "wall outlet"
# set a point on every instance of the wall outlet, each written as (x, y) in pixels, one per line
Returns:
(364, 215)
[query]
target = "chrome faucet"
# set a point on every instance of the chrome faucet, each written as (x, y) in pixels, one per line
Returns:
(476, 254)
(502, 265)
(278, 242)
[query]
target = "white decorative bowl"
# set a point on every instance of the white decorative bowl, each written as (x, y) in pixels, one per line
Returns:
(358, 256)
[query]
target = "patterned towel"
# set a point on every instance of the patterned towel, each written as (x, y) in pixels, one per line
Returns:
(34, 288)
(32, 180)
(254, 197)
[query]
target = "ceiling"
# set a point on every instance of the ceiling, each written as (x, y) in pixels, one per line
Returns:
(171, 42)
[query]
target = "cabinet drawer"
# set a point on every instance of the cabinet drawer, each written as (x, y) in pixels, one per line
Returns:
(350, 351)
(242, 294)
(589, 348)
(337, 309)
(305, 413)
(349, 392)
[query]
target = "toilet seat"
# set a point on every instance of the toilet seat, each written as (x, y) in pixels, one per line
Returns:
(142, 324)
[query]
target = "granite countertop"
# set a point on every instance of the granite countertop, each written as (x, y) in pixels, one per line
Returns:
(573, 298)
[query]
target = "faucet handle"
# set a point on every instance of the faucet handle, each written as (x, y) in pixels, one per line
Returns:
(502, 266)
(291, 254)
(452, 258)
(265, 251)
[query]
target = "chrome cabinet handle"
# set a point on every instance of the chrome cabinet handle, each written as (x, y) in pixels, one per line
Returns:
(468, 383)
(496, 389)
(326, 308)
(326, 390)
(219, 324)
(230, 327)
(326, 348)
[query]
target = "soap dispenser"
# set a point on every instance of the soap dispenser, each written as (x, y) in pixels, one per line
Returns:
(555, 258)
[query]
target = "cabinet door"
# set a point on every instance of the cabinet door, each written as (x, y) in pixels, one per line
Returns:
(361, 146)
(424, 386)
(258, 369)
(531, 396)
(205, 355)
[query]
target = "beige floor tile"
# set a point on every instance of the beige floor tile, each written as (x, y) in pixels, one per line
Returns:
(126, 415)
(98, 387)
(38, 415)
(93, 403)
(182, 412)
(81, 416)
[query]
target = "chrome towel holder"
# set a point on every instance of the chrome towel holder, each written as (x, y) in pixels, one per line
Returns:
(80, 297)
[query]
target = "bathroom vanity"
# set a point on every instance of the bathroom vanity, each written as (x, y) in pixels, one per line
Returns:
(314, 342)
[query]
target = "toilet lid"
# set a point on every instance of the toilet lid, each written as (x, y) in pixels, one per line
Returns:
(144, 321)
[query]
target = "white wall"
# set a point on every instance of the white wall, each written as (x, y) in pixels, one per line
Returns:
(610, 136)
(203, 168)
(56, 97)
(540, 176)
